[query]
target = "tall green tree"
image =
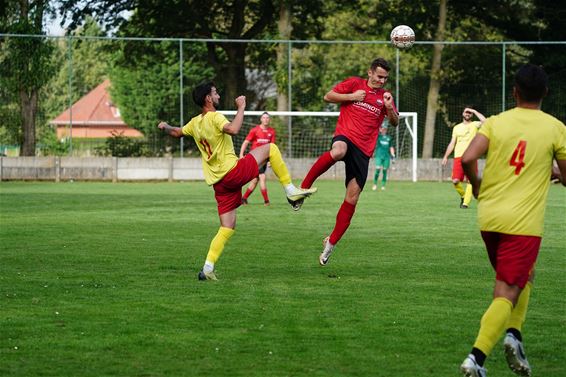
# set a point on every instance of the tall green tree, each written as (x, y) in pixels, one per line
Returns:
(25, 63)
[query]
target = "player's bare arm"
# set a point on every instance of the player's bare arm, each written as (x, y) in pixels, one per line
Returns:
(243, 148)
(560, 171)
(334, 97)
(171, 131)
(392, 115)
(449, 150)
(475, 150)
(479, 115)
(234, 126)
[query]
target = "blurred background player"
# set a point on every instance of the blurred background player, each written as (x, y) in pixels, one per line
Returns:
(384, 151)
(363, 106)
(222, 168)
(462, 135)
(521, 145)
(259, 135)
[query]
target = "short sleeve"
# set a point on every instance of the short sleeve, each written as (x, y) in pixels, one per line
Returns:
(188, 128)
(485, 130)
(560, 148)
(219, 121)
(273, 136)
(346, 86)
(251, 134)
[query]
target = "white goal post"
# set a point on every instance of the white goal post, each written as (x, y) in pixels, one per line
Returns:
(405, 135)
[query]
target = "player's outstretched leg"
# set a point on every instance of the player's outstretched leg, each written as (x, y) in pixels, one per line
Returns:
(278, 166)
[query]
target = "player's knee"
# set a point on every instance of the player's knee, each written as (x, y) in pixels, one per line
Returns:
(338, 150)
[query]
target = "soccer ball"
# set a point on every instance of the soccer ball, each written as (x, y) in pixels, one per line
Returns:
(402, 37)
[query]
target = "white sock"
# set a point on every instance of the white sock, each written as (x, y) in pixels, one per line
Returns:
(290, 189)
(208, 266)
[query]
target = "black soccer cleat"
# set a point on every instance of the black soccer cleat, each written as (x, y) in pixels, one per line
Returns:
(296, 204)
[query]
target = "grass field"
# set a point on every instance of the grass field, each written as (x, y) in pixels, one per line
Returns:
(99, 279)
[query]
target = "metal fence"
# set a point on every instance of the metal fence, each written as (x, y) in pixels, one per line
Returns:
(151, 80)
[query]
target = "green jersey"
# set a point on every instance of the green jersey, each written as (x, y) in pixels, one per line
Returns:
(383, 146)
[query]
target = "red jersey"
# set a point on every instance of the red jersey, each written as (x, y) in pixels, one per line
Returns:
(258, 136)
(360, 121)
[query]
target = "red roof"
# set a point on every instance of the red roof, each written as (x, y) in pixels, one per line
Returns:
(96, 111)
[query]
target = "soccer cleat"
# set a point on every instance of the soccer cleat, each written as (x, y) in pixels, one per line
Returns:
(244, 201)
(464, 206)
(461, 202)
(296, 204)
(266, 203)
(326, 252)
(382, 188)
(515, 355)
(374, 187)
(470, 368)
(298, 195)
(207, 275)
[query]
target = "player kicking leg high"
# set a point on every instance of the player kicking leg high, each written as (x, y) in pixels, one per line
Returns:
(222, 168)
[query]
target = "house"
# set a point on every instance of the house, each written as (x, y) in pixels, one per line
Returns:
(93, 116)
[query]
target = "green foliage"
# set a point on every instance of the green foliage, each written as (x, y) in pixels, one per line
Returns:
(120, 146)
(50, 145)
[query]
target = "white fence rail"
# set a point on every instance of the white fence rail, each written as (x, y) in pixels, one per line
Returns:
(116, 169)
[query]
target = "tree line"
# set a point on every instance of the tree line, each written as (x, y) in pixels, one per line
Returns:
(34, 72)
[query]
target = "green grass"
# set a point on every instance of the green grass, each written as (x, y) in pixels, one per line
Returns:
(99, 279)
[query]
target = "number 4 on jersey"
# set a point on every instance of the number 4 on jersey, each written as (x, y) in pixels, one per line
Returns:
(518, 157)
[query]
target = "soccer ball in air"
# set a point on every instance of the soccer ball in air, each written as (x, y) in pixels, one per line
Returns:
(402, 37)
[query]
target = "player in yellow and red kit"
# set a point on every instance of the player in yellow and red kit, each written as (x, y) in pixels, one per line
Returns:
(462, 135)
(521, 145)
(222, 168)
(259, 135)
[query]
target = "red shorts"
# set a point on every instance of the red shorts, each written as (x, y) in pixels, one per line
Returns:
(458, 170)
(513, 257)
(228, 191)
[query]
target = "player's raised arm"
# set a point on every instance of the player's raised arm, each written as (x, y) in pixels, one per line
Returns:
(334, 97)
(171, 131)
(234, 126)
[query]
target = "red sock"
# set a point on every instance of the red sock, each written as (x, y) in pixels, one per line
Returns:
(343, 219)
(265, 197)
(248, 193)
(321, 165)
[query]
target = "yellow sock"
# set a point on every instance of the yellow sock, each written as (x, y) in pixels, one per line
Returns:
(458, 186)
(217, 244)
(278, 165)
(493, 324)
(519, 312)
(468, 195)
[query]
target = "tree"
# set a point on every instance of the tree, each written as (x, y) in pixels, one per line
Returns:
(434, 88)
(25, 64)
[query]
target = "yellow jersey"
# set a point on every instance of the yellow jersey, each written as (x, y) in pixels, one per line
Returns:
(464, 133)
(215, 146)
(522, 145)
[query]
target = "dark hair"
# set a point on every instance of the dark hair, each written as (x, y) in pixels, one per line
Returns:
(201, 91)
(380, 62)
(265, 112)
(531, 83)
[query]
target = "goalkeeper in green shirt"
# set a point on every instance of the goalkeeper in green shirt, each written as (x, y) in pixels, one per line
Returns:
(383, 153)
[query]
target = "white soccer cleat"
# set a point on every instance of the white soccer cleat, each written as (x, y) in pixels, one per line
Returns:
(203, 275)
(470, 368)
(296, 193)
(515, 355)
(374, 187)
(326, 252)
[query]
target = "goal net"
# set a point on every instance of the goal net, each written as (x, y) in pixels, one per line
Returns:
(308, 134)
